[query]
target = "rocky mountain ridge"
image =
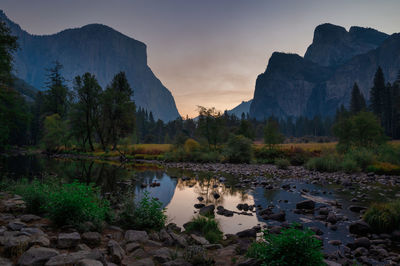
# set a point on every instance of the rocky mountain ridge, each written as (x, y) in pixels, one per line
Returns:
(319, 82)
(93, 48)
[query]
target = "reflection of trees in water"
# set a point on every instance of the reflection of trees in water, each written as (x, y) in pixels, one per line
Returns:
(207, 184)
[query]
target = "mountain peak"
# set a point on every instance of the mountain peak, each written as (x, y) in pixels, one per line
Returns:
(333, 45)
(94, 48)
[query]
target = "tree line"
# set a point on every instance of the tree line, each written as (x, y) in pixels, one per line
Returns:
(88, 116)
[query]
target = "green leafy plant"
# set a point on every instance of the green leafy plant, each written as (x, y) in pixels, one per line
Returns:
(75, 204)
(206, 226)
(35, 195)
(147, 214)
(327, 163)
(282, 163)
(383, 217)
(291, 247)
(238, 149)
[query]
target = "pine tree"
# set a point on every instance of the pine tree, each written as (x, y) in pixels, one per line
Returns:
(357, 102)
(8, 45)
(376, 93)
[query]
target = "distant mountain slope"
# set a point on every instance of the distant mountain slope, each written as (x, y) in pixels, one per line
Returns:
(333, 45)
(24, 88)
(319, 83)
(94, 48)
(243, 107)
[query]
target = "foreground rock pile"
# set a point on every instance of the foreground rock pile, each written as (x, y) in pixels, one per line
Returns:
(27, 239)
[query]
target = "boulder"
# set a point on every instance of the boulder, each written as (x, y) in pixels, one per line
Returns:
(199, 205)
(207, 210)
(115, 251)
(305, 205)
(89, 262)
(179, 239)
(199, 240)
(177, 262)
(331, 218)
(360, 228)
(73, 258)
(37, 256)
(27, 218)
(144, 262)
(162, 255)
(69, 240)
(16, 225)
(92, 239)
(14, 245)
(136, 236)
(247, 233)
(357, 209)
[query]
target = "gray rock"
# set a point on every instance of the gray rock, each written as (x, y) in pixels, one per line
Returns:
(68, 240)
(162, 255)
(199, 240)
(357, 209)
(32, 231)
(14, 245)
(207, 210)
(247, 233)
(331, 218)
(115, 251)
(139, 254)
(15, 225)
(144, 262)
(177, 262)
(26, 218)
(72, 258)
(305, 205)
(136, 236)
(165, 237)
(92, 239)
(335, 242)
(132, 247)
(5, 262)
(37, 256)
(359, 228)
(89, 262)
(179, 239)
(40, 240)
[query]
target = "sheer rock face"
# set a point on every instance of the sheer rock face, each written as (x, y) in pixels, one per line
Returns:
(333, 45)
(93, 48)
(319, 83)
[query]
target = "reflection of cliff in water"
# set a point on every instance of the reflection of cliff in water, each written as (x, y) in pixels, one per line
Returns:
(164, 192)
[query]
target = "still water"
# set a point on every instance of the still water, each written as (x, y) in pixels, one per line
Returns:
(179, 191)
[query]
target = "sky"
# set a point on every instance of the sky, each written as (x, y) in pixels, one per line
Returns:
(208, 52)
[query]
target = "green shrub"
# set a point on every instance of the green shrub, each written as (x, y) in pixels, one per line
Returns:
(282, 163)
(383, 217)
(34, 194)
(267, 155)
(191, 145)
(349, 165)
(298, 156)
(206, 226)
(362, 156)
(389, 154)
(75, 204)
(238, 149)
(327, 163)
(291, 247)
(147, 214)
(383, 168)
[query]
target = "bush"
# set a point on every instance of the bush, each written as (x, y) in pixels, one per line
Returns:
(282, 163)
(148, 214)
(75, 204)
(349, 165)
(362, 156)
(34, 194)
(328, 163)
(267, 155)
(383, 168)
(206, 226)
(388, 154)
(291, 247)
(298, 156)
(238, 149)
(65, 204)
(383, 217)
(191, 145)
